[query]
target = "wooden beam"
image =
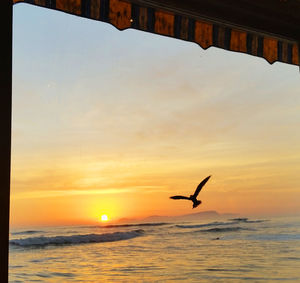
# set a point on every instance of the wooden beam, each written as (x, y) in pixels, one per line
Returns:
(5, 130)
(279, 18)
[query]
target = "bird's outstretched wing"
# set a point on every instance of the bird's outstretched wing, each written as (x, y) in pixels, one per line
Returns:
(179, 197)
(200, 186)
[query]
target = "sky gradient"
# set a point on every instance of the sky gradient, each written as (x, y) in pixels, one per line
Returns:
(110, 122)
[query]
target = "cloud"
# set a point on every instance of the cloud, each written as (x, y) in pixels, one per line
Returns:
(67, 192)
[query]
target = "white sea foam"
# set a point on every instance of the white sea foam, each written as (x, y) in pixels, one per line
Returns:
(76, 239)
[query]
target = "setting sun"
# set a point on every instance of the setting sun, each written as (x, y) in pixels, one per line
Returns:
(104, 217)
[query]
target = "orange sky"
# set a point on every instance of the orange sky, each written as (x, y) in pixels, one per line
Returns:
(115, 125)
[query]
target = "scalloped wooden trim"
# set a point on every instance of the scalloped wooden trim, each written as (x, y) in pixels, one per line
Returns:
(123, 15)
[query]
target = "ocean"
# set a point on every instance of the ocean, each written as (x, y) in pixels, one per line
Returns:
(222, 250)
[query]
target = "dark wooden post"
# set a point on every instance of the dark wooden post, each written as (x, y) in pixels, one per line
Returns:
(5, 132)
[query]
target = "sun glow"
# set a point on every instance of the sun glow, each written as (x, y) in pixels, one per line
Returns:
(104, 217)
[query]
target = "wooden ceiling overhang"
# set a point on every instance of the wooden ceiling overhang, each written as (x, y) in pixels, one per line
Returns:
(266, 28)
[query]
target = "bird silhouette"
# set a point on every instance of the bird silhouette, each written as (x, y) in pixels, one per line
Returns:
(193, 197)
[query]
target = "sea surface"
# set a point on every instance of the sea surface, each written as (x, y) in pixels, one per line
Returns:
(226, 250)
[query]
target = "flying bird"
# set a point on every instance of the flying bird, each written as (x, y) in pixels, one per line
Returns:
(193, 197)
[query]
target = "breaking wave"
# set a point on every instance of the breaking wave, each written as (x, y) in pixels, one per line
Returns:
(231, 222)
(246, 220)
(28, 232)
(128, 225)
(76, 239)
(239, 219)
(224, 229)
(134, 225)
(204, 225)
